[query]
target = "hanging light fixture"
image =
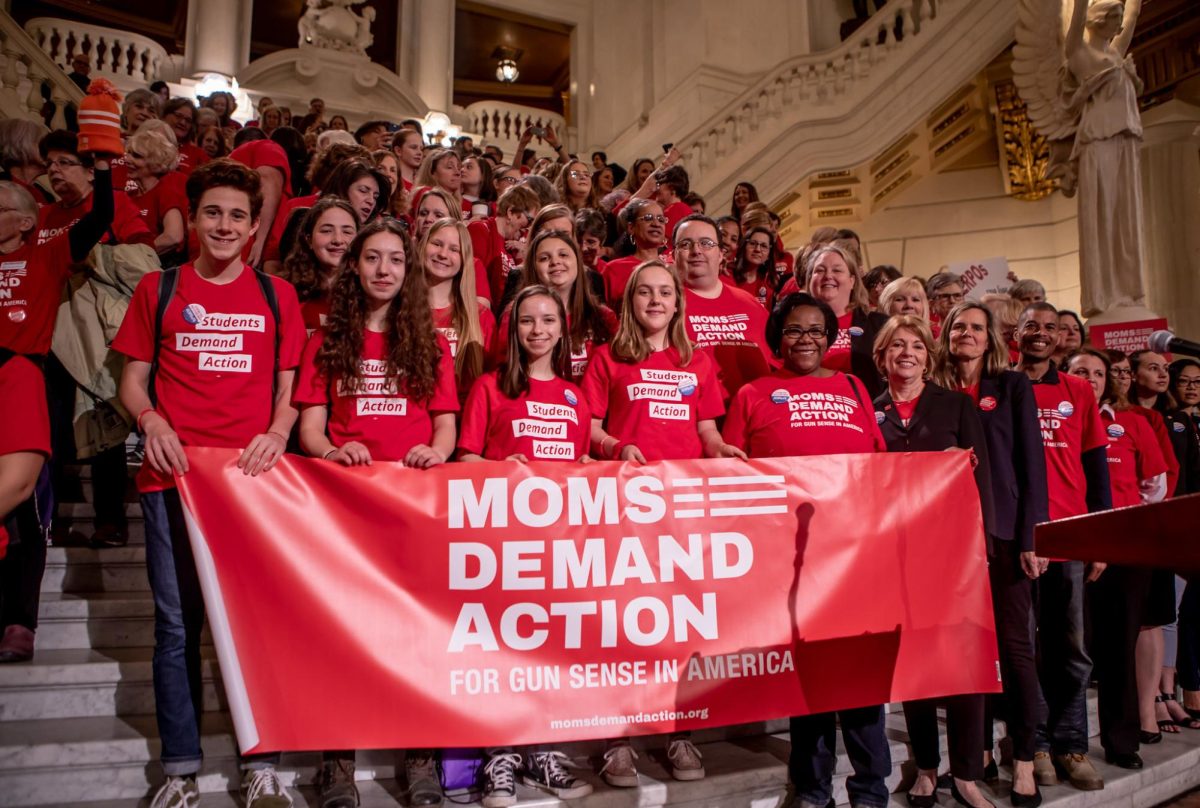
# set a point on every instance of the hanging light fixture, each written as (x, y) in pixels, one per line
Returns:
(506, 63)
(506, 71)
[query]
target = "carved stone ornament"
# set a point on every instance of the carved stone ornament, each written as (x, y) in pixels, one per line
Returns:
(1024, 152)
(332, 25)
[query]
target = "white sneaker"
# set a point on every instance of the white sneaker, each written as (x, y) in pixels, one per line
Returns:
(619, 769)
(500, 786)
(177, 792)
(685, 760)
(262, 788)
(548, 771)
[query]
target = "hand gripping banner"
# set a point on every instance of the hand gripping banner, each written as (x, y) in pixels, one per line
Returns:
(480, 604)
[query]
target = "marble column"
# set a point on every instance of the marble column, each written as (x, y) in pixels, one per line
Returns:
(1171, 195)
(433, 43)
(218, 36)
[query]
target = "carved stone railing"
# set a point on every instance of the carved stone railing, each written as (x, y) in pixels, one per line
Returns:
(127, 60)
(820, 112)
(25, 71)
(501, 123)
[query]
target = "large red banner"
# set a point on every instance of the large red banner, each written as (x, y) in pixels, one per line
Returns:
(477, 604)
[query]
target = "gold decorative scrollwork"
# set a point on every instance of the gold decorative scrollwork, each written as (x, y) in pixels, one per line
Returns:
(1024, 153)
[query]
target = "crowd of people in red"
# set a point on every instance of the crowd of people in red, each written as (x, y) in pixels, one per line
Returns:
(365, 298)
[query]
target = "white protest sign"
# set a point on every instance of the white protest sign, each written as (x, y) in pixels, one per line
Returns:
(984, 277)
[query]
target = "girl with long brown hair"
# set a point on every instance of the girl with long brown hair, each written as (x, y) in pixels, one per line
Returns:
(444, 254)
(378, 378)
(326, 231)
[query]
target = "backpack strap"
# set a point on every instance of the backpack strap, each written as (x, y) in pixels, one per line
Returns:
(167, 285)
(853, 382)
(268, 290)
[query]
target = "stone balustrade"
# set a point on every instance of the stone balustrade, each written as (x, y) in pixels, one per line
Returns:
(29, 78)
(127, 60)
(501, 123)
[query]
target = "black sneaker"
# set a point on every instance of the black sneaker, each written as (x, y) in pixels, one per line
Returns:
(548, 771)
(109, 536)
(335, 785)
(424, 788)
(500, 786)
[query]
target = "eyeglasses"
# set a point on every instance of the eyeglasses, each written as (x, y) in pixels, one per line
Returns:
(794, 332)
(704, 244)
(1181, 382)
(61, 163)
(579, 175)
(1121, 373)
(650, 217)
(508, 180)
(759, 245)
(949, 297)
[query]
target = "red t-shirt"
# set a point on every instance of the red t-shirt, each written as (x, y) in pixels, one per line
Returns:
(489, 249)
(784, 415)
(191, 157)
(675, 212)
(315, 313)
(732, 328)
(259, 153)
(120, 176)
(443, 322)
(378, 415)
(837, 357)
(579, 357)
(760, 288)
(1070, 424)
(216, 363)
(169, 194)
(55, 221)
(617, 273)
(32, 279)
(905, 409)
(1165, 447)
(549, 422)
(655, 404)
(271, 251)
(1133, 455)
(789, 287)
(23, 412)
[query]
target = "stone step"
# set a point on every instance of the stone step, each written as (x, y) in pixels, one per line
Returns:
(96, 620)
(740, 775)
(86, 511)
(84, 683)
(84, 570)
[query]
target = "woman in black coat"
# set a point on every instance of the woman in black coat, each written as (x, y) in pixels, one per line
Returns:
(973, 359)
(916, 415)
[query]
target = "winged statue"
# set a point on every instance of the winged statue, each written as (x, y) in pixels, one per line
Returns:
(1072, 67)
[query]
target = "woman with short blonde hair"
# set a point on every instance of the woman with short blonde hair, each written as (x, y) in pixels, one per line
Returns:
(904, 296)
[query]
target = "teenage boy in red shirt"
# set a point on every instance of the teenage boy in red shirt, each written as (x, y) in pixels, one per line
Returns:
(224, 354)
(722, 319)
(1076, 446)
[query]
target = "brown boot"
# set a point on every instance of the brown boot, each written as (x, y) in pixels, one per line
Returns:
(17, 645)
(1079, 771)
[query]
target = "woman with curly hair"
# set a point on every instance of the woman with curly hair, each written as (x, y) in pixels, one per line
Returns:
(326, 231)
(377, 382)
(574, 186)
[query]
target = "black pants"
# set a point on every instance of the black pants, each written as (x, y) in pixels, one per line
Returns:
(21, 583)
(814, 756)
(1188, 662)
(964, 733)
(1116, 607)
(1012, 602)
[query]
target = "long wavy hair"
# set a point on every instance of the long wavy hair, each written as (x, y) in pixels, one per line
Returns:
(301, 268)
(425, 174)
(560, 185)
(741, 269)
(411, 343)
(464, 306)
(584, 311)
(514, 375)
(630, 343)
(995, 356)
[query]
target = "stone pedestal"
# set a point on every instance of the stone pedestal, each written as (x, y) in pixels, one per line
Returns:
(433, 72)
(218, 36)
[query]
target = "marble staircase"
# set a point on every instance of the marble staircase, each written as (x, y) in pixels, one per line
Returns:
(77, 723)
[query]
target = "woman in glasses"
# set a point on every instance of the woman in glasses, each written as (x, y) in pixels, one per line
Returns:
(944, 291)
(574, 186)
(754, 270)
(762, 423)
(647, 226)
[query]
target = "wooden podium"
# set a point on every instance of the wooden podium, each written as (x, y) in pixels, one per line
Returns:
(1164, 535)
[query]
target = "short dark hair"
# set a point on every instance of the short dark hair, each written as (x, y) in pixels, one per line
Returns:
(603, 157)
(885, 273)
(352, 170)
(784, 307)
(693, 198)
(369, 127)
(1074, 316)
(224, 173)
(413, 123)
(1033, 308)
(158, 85)
(675, 178)
(730, 219)
(695, 217)
(64, 141)
(248, 134)
(590, 222)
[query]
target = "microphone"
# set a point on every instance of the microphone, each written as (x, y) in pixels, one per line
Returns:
(1166, 342)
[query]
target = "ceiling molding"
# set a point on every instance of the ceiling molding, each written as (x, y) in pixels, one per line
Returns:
(513, 16)
(118, 19)
(496, 89)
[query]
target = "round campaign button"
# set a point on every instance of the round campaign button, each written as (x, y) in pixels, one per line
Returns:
(1065, 409)
(1115, 430)
(17, 315)
(194, 314)
(686, 388)
(1178, 427)
(571, 398)
(880, 417)
(780, 396)
(987, 403)
(855, 331)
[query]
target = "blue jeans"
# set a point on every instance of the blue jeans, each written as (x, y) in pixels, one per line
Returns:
(178, 621)
(1064, 666)
(814, 756)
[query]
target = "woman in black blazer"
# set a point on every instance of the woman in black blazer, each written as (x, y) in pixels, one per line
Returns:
(973, 359)
(916, 415)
